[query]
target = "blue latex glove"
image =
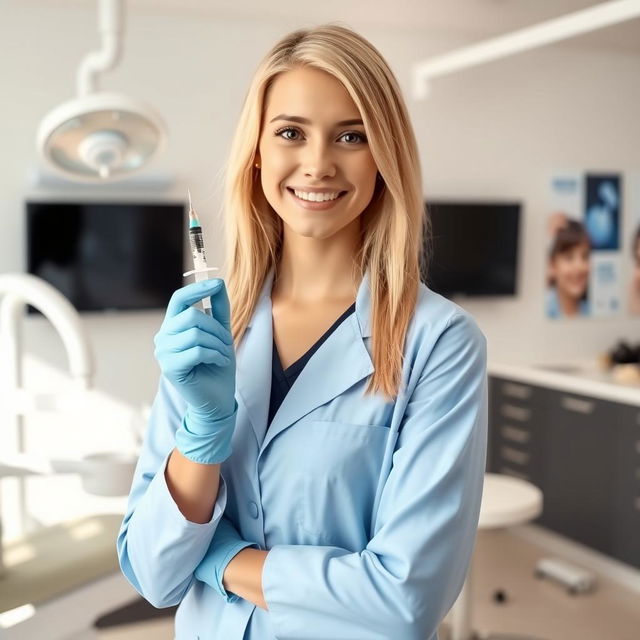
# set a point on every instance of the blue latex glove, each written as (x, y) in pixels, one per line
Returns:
(195, 353)
(225, 544)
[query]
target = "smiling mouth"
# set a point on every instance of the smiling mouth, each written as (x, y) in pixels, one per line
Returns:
(340, 194)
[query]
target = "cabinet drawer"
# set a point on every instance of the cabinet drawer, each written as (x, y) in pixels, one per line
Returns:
(510, 433)
(515, 390)
(514, 456)
(514, 412)
(584, 406)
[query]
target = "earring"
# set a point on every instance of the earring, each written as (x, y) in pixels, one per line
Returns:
(257, 165)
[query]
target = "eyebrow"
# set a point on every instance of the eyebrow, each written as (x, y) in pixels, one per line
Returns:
(342, 123)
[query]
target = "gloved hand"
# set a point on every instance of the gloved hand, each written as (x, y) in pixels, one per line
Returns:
(195, 353)
(225, 544)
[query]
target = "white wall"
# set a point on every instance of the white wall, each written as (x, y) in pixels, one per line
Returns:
(494, 131)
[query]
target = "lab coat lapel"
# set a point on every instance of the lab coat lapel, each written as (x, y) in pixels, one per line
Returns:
(253, 362)
(340, 362)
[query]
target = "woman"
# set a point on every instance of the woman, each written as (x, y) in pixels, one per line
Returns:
(568, 269)
(344, 505)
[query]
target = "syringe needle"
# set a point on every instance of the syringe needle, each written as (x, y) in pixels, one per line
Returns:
(193, 218)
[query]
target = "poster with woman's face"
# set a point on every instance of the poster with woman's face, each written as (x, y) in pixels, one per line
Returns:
(583, 250)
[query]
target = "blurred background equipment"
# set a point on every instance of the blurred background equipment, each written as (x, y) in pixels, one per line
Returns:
(98, 136)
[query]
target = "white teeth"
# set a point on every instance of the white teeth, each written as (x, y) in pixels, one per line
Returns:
(316, 197)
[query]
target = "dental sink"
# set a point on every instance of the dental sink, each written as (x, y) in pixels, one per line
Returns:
(585, 370)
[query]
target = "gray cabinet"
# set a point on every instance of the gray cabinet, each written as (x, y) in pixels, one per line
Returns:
(583, 452)
(578, 482)
(626, 477)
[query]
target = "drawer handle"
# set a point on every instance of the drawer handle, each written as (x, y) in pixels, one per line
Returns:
(577, 405)
(516, 390)
(513, 455)
(515, 434)
(510, 472)
(515, 413)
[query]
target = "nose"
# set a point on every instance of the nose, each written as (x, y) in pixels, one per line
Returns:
(317, 161)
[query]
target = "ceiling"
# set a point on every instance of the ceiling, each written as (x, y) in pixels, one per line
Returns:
(476, 18)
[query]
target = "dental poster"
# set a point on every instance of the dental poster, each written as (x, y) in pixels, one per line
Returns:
(633, 251)
(584, 245)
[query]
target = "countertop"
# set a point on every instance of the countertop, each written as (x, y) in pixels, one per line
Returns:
(583, 377)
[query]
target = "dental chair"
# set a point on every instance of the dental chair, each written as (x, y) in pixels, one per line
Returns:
(55, 581)
(68, 574)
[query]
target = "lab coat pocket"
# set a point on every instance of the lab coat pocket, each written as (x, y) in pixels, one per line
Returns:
(339, 472)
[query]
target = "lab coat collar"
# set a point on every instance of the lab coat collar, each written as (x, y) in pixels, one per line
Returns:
(341, 361)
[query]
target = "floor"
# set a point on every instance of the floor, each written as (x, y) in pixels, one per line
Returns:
(533, 607)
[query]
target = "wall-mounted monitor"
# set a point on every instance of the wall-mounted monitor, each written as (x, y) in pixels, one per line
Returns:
(475, 248)
(108, 255)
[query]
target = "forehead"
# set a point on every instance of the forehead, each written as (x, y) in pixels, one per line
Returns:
(309, 93)
(578, 247)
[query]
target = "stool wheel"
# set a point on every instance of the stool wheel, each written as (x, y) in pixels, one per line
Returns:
(500, 595)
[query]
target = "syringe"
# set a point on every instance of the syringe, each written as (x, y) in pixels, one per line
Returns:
(199, 256)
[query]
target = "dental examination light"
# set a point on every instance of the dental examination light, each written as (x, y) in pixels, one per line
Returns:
(574, 24)
(99, 136)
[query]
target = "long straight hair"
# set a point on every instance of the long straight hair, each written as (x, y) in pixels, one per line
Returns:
(394, 226)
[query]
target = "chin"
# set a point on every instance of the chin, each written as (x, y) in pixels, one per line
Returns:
(309, 229)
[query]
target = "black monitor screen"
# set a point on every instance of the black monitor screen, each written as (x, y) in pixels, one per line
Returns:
(475, 248)
(108, 255)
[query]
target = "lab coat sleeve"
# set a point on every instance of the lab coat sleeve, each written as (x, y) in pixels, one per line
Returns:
(158, 548)
(410, 573)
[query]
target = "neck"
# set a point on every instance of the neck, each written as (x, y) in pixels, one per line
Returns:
(311, 272)
(568, 304)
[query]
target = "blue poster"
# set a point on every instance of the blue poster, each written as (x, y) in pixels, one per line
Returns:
(602, 211)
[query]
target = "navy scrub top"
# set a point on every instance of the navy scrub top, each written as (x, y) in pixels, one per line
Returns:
(282, 380)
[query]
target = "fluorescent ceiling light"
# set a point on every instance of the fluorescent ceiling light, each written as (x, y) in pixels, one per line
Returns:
(591, 19)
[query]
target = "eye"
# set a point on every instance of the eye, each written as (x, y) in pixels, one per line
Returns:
(360, 137)
(286, 129)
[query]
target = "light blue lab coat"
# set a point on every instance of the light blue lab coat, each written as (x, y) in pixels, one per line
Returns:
(368, 508)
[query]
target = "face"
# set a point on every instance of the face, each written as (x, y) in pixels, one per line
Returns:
(324, 152)
(571, 270)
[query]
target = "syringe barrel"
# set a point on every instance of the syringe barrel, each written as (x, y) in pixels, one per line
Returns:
(197, 248)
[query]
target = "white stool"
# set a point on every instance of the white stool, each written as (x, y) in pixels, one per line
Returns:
(506, 501)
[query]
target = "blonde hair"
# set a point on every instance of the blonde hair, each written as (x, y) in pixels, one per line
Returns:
(394, 225)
